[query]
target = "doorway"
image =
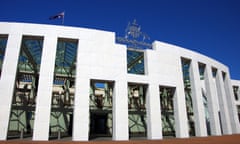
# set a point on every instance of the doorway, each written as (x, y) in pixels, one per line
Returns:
(98, 125)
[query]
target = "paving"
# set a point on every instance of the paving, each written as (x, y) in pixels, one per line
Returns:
(226, 139)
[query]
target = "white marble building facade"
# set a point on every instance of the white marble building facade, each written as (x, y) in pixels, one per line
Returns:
(99, 57)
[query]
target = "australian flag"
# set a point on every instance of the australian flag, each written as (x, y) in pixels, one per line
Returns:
(57, 16)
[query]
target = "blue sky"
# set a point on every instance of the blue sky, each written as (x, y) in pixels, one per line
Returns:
(211, 27)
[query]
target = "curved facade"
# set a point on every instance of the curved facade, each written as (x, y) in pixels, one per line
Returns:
(59, 81)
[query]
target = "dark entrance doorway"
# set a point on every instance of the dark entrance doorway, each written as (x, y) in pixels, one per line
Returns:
(100, 106)
(98, 125)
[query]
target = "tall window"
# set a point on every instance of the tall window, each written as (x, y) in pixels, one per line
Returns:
(26, 87)
(61, 120)
(186, 63)
(137, 110)
(3, 44)
(101, 94)
(167, 110)
(238, 110)
(201, 68)
(236, 92)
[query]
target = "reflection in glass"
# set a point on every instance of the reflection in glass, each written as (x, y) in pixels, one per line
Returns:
(135, 62)
(61, 120)
(167, 110)
(26, 87)
(101, 93)
(137, 110)
(188, 94)
(3, 44)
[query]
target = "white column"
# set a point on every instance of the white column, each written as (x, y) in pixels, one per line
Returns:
(179, 105)
(197, 100)
(7, 81)
(120, 110)
(231, 105)
(154, 122)
(180, 113)
(224, 114)
(81, 116)
(44, 93)
(211, 98)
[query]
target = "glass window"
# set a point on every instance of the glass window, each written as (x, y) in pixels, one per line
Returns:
(61, 120)
(137, 119)
(100, 105)
(236, 92)
(135, 62)
(186, 64)
(3, 44)
(167, 110)
(26, 87)
(214, 72)
(201, 68)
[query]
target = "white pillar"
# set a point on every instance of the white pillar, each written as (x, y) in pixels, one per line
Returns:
(7, 81)
(179, 102)
(233, 113)
(120, 110)
(180, 113)
(44, 93)
(81, 116)
(211, 98)
(154, 122)
(224, 114)
(81, 122)
(197, 100)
